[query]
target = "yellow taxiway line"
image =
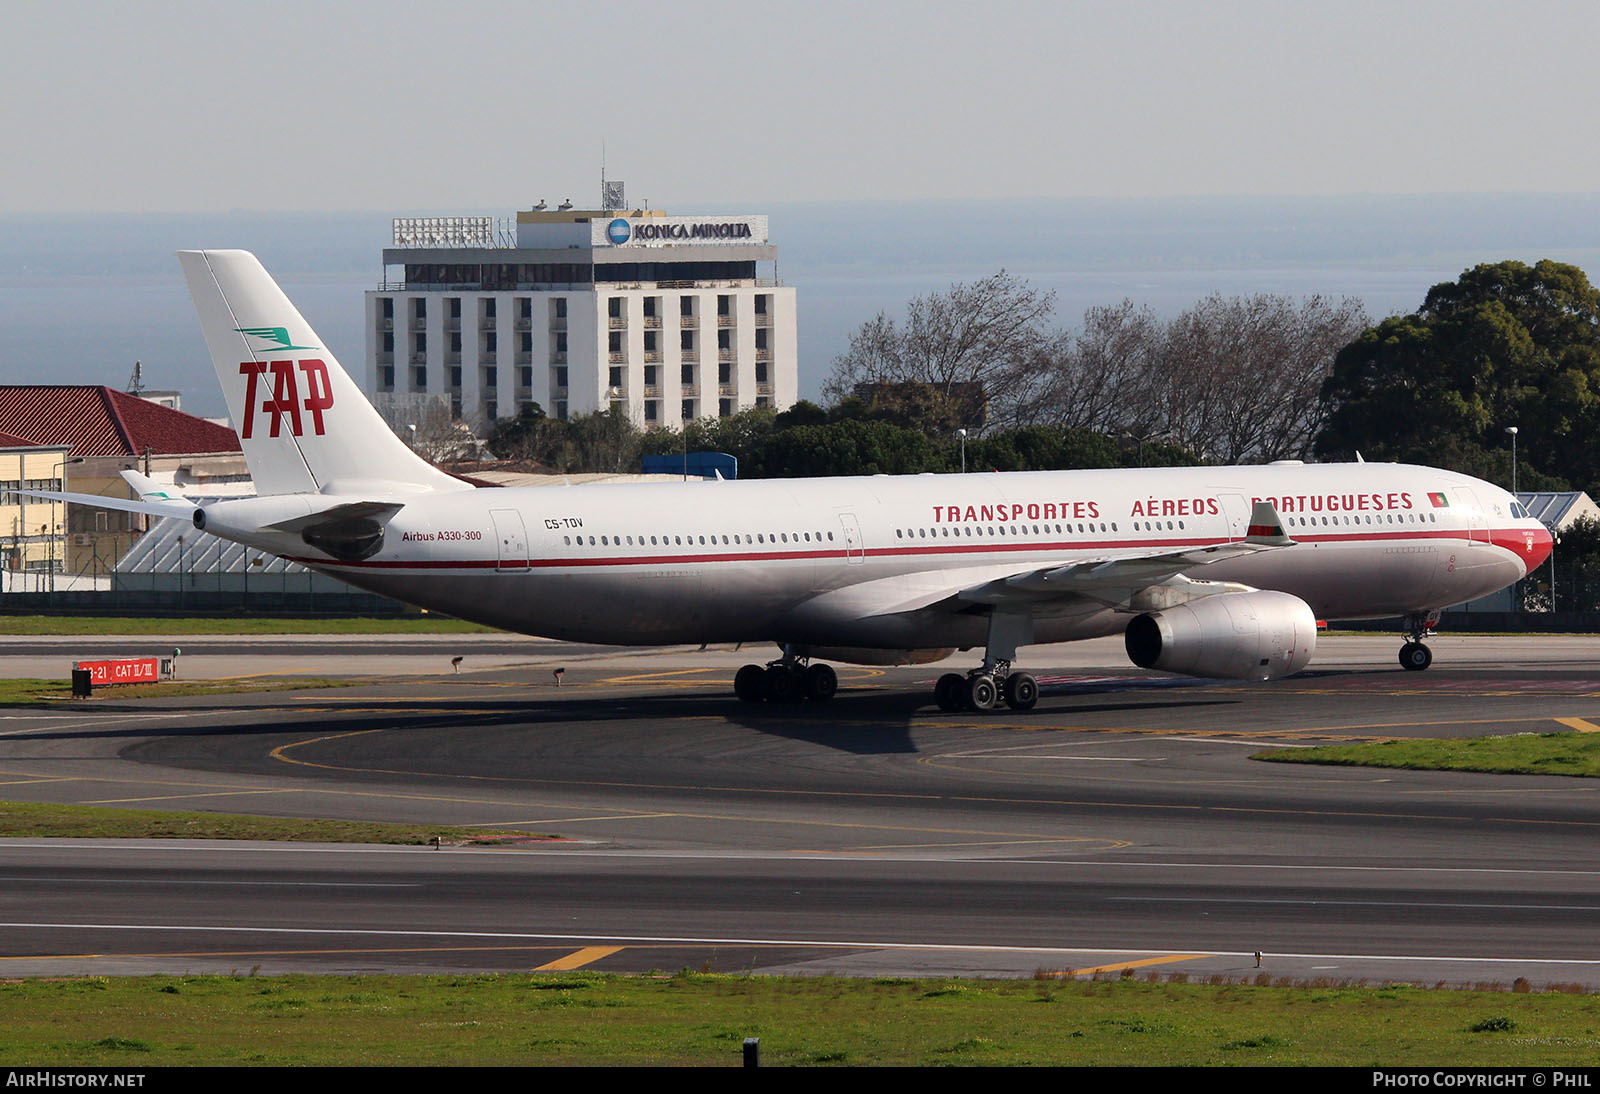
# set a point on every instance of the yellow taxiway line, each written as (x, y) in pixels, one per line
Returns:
(578, 959)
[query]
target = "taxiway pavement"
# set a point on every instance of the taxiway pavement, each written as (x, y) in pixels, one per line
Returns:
(1121, 824)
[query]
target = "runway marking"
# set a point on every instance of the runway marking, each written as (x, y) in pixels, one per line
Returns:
(1116, 844)
(1579, 724)
(164, 847)
(568, 820)
(1054, 756)
(1121, 965)
(339, 952)
(579, 958)
(1412, 725)
(279, 753)
(656, 676)
(1243, 744)
(216, 884)
(1354, 903)
(807, 943)
(175, 797)
(73, 721)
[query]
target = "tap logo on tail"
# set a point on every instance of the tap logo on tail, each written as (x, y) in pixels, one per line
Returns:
(284, 402)
(278, 336)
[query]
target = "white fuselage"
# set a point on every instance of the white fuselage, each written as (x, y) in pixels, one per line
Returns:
(862, 562)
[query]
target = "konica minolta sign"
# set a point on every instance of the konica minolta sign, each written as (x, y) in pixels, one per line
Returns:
(665, 231)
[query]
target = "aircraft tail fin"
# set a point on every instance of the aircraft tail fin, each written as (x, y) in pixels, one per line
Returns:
(304, 424)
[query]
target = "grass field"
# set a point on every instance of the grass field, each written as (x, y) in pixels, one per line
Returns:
(141, 625)
(44, 692)
(44, 820)
(1519, 754)
(698, 1019)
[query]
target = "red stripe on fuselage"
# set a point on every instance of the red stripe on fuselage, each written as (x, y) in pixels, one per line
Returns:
(1514, 540)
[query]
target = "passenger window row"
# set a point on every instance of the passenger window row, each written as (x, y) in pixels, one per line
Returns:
(1363, 519)
(758, 538)
(968, 531)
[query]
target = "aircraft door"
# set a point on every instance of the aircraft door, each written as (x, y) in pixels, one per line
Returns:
(511, 541)
(1477, 519)
(854, 550)
(1236, 511)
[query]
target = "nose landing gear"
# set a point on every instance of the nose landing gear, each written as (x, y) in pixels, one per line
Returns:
(1414, 655)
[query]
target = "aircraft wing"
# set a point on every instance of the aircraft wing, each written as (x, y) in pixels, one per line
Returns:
(1113, 580)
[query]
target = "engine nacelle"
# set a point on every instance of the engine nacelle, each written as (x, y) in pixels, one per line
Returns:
(1234, 636)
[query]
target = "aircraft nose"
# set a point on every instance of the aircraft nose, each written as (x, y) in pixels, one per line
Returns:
(1537, 544)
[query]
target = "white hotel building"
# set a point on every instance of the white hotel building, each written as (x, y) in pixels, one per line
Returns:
(668, 317)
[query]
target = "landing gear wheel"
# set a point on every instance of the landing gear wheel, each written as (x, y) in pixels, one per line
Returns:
(981, 692)
(782, 684)
(821, 682)
(748, 683)
(1415, 656)
(1022, 691)
(948, 692)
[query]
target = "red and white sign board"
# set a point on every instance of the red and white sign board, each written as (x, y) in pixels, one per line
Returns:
(131, 670)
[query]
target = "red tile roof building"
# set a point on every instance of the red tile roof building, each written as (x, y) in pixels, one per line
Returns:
(96, 420)
(105, 431)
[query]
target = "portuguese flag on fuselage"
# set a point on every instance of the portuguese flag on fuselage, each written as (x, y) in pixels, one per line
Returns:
(1438, 499)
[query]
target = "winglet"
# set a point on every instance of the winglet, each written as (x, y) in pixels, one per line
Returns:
(1266, 527)
(149, 489)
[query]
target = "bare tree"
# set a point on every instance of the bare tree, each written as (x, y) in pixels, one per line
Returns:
(1235, 379)
(1240, 376)
(426, 423)
(976, 336)
(1094, 378)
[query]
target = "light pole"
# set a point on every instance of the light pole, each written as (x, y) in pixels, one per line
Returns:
(962, 433)
(1511, 429)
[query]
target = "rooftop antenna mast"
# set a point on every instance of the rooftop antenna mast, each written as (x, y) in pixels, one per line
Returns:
(611, 193)
(136, 381)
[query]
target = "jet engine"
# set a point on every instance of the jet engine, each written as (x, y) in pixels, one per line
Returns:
(1235, 636)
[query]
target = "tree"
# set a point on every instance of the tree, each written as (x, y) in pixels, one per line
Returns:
(532, 437)
(1573, 572)
(426, 423)
(845, 448)
(1505, 344)
(605, 441)
(1237, 378)
(1243, 375)
(739, 434)
(1094, 378)
(971, 337)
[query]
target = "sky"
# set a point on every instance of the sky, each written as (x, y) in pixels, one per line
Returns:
(488, 107)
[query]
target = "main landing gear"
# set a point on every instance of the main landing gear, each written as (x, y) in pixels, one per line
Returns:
(993, 682)
(786, 680)
(983, 688)
(1414, 655)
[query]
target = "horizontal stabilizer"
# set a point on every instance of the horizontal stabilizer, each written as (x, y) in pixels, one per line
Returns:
(176, 508)
(380, 511)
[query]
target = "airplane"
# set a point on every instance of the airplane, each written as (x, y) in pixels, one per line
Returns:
(1219, 572)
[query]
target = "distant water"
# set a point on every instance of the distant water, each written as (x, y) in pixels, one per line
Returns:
(82, 298)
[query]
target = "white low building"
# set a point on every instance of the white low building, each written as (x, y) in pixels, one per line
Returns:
(670, 318)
